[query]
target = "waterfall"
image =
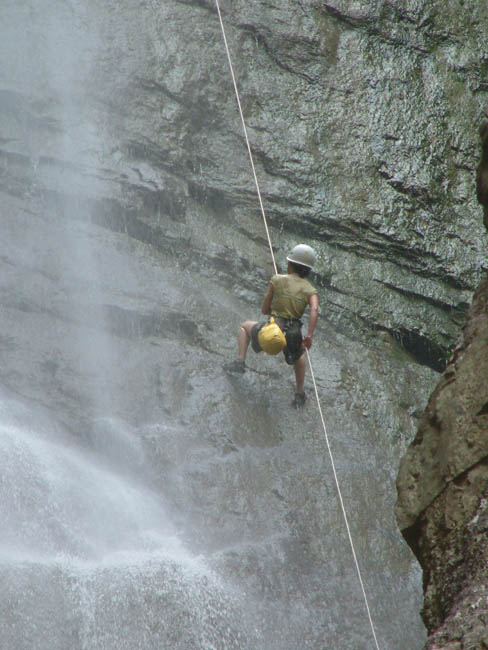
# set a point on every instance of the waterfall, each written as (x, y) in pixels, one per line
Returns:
(149, 501)
(89, 557)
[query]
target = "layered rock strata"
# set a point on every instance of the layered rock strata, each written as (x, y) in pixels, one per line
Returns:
(132, 248)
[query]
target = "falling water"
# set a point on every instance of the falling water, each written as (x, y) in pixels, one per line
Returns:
(148, 502)
(89, 558)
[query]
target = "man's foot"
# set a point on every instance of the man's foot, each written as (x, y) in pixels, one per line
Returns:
(299, 400)
(235, 366)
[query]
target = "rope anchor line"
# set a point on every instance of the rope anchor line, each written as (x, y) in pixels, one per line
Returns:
(336, 479)
(244, 128)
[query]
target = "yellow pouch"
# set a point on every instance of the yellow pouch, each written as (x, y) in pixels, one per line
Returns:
(271, 338)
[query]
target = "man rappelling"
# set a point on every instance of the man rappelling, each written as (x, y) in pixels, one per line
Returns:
(284, 304)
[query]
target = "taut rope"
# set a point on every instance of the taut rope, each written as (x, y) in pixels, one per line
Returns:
(244, 128)
(356, 563)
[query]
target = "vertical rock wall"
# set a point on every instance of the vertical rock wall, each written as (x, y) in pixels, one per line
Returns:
(132, 248)
(442, 486)
(443, 483)
(360, 116)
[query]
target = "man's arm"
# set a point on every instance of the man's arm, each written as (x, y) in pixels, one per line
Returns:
(313, 303)
(266, 306)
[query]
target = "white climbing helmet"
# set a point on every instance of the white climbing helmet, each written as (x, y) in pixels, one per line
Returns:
(302, 254)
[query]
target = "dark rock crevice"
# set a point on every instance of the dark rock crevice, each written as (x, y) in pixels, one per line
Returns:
(287, 53)
(483, 410)
(202, 4)
(371, 26)
(419, 347)
(369, 242)
(456, 312)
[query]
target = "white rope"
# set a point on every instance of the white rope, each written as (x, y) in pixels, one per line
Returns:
(247, 139)
(342, 502)
(308, 356)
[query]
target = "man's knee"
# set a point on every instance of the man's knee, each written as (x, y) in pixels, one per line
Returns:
(300, 361)
(247, 326)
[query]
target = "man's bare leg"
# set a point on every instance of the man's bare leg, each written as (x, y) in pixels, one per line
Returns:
(243, 339)
(300, 366)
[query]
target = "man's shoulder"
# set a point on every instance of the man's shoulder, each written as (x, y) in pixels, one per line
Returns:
(277, 278)
(311, 287)
(308, 286)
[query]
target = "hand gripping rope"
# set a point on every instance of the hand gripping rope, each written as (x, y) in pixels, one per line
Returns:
(308, 356)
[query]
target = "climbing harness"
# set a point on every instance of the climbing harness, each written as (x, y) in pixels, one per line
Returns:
(356, 563)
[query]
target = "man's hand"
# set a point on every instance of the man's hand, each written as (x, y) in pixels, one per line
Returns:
(307, 342)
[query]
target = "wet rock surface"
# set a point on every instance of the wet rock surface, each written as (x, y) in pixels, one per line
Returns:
(442, 483)
(442, 487)
(133, 247)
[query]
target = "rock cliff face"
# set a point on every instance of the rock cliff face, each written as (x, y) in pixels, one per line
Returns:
(443, 488)
(443, 482)
(148, 500)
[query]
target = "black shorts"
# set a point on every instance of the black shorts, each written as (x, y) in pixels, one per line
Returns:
(292, 329)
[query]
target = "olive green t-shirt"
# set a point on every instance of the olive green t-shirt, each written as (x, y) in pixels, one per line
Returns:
(290, 295)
